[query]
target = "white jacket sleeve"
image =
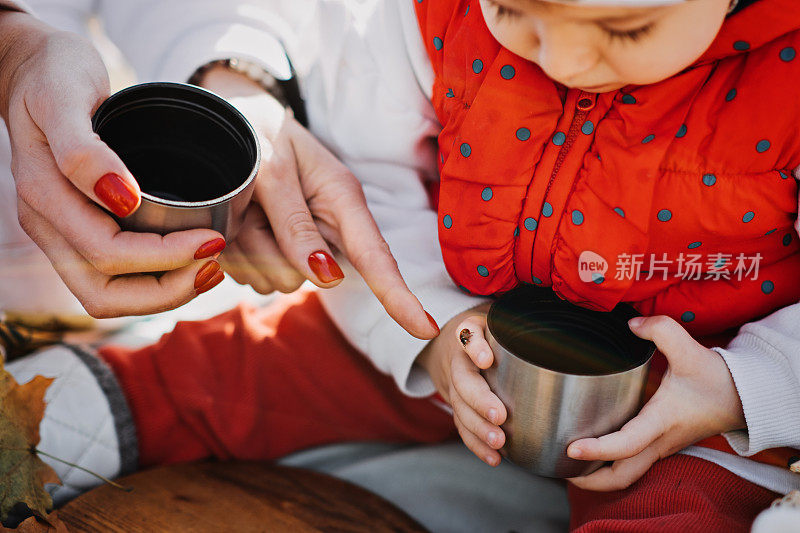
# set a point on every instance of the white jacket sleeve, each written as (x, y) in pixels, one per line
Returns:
(170, 39)
(68, 15)
(367, 100)
(764, 360)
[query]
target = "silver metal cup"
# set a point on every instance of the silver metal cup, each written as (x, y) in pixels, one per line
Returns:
(550, 375)
(194, 155)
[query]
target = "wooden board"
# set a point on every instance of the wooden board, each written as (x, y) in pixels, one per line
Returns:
(233, 496)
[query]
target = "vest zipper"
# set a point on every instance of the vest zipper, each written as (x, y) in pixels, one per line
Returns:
(585, 103)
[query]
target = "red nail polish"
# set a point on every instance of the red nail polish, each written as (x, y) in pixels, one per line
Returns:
(210, 248)
(433, 322)
(325, 267)
(213, 282)
(116, 194)
(205, 274)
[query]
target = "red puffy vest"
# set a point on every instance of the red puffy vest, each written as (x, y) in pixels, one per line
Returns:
(667, 196)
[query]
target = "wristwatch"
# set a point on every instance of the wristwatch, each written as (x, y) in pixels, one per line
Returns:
(286, 91)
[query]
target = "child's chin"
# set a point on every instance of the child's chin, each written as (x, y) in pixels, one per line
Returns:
(601, 88)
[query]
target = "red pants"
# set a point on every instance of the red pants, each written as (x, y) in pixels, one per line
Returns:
(261, 383)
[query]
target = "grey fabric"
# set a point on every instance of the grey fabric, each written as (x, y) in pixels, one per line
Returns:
(123, 420)
(445, 487)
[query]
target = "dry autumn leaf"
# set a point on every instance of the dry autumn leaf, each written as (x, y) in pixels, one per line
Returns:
(49, 524)
(22, 473)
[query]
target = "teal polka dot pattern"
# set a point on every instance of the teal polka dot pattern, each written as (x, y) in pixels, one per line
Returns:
(619, 211)
(682, 131)
(762, 146)
(483, 271)
(748, 217)
(709, 180)
(695, 245)
(487, 194)
(447, 221)
(731, 95)
(450, 93)
(531, 224)
(466, 150)
(587, 128)
(688, 316)
(783, 175)
(648, 139)
(788, 54)
(741, 46)
(770, 232)
(767, 287)
(536, 280)
(507, 72)
(547, 210)
(597, 278)
(523, 134)
(516, 232)
(477, 66)
(577, 217)
(438, 43)
(665, 215)
(628, 99)
(787, 239)
(559, 138)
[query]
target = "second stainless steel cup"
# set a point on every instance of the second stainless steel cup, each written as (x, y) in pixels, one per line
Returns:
(194, 155)
(564, 373)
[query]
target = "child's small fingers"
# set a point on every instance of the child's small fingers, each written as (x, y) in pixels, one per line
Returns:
(470, 335)
(620, 475)
(636, 435)
(476, 445)
(474, 390)
(476, 424)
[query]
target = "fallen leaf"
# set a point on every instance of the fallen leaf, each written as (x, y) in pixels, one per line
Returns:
(49, 524)
(22, 473)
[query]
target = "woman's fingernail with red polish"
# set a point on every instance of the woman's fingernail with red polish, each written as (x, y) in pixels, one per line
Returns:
(116, 194)
(325, 267)
(210, 248)
(433, 322)
(205, 274)
(213, 282)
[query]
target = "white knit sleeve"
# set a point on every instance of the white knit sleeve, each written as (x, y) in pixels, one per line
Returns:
(764, 360)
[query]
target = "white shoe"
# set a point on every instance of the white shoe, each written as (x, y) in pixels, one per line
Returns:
(782, 517)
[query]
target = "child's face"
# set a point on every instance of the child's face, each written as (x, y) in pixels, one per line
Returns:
(600, 49)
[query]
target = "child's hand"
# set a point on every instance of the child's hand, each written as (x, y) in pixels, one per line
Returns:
(454, 367)
(697, 398)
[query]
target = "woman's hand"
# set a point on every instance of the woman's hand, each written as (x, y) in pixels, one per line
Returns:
(50, 84)
(697, 399)
(454, 361)
(305, 198)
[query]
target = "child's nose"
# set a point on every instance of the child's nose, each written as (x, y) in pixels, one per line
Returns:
(565, 58)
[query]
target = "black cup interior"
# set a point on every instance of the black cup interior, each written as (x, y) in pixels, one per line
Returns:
(539, 327)
(181, 143)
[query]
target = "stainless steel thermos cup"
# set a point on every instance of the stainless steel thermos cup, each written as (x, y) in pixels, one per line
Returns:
(194, 155)
(564, 373)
